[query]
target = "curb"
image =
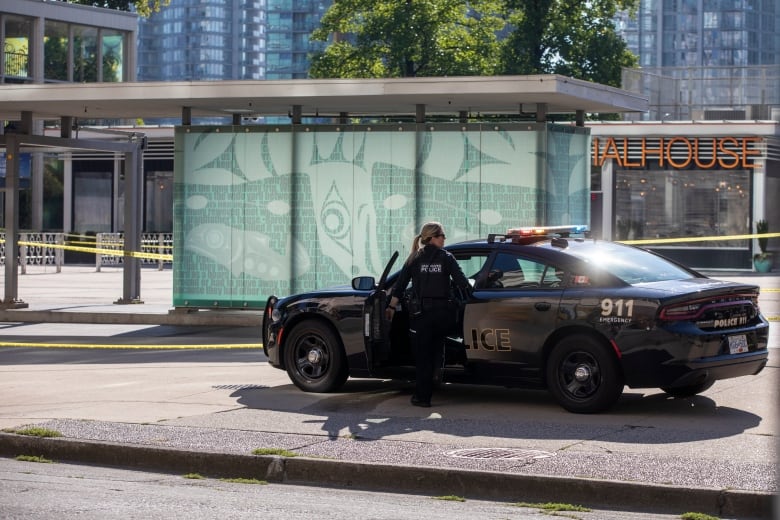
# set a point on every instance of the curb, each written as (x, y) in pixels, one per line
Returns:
(484, 485)
(209, 318)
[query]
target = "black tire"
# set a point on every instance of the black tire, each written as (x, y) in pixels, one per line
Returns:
(583, 375)
(688, 391)
(314, 358)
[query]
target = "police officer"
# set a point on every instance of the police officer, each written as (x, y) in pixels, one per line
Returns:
(433, 316)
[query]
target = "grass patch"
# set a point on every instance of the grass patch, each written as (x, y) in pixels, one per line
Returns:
(553, 507)
(194, 476)
(698, 516)
(244, 481)
(36, 431)
(274, 451)
(34, 458)
(450, 498)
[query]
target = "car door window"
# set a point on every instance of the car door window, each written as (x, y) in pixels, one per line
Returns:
(508, 271)
(471, 264)
(554, 277)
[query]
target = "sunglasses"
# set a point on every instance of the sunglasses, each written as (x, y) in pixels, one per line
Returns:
(440, 235)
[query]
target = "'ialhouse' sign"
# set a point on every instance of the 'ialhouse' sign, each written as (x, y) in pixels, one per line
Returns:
(726, 153)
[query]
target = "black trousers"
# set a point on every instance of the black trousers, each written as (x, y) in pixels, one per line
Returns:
(428, 332)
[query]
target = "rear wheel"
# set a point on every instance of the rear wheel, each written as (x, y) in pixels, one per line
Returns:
(583, 375)
(690, 390)
(314, 358)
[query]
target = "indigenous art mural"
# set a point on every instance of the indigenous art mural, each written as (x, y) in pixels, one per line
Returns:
(261, 210)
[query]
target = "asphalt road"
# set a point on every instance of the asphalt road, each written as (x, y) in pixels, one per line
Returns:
(153, 390)
(232, 402)
(42, 490)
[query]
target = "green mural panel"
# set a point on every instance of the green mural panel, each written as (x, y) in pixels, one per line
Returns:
(263, 210)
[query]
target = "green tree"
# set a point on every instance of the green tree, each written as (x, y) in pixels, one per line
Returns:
(143, 7)
(568, 37)
(406, 38)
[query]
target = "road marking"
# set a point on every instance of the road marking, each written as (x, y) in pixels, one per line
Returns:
(114, 345)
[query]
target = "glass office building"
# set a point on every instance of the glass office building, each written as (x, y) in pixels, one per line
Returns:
(197, 40)
(54, 42)
(704, 33)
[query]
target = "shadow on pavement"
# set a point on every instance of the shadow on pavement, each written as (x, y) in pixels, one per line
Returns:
(369, 409)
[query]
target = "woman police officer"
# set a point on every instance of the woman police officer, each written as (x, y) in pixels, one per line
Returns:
(431, 315)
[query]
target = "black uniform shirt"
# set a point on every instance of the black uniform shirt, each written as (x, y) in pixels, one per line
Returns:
(430, 273)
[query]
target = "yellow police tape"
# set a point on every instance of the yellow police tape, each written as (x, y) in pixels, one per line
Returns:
(696, 239)
(102, 250)
(135, 347)
(115, 251)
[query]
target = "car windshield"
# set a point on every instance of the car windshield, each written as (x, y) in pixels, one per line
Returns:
(630, 264)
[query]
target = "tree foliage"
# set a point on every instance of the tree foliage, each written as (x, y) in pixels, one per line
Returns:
(401, 38)
(144, 8)
(405, 38)
(568, 37)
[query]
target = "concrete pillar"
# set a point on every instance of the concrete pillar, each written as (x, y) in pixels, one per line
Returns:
(541, 113)
(36, 183)
(11, 287)
(420, 114)
(297, 114)
(186, 116)
(131, 281)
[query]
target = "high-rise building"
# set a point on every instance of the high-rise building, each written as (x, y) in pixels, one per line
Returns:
(705, 59)
(195, 40)
(704, 33)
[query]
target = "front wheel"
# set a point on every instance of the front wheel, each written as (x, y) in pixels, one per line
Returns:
(583, 375)
(314, 358)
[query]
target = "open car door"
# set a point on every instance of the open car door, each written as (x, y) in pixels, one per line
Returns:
(376, 328)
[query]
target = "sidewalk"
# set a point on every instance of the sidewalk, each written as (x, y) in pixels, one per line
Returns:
(715, 454)
(80, 294)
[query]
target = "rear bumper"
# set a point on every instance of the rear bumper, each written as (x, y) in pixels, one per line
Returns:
(667, 359)
(722, 367)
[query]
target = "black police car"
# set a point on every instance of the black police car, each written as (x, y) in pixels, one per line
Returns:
(579, 316)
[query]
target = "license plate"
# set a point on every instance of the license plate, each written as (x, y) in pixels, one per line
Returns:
(738, 344)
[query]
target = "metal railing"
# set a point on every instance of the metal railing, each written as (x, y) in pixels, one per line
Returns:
(156, 249)
(42, 249)
(48, 249)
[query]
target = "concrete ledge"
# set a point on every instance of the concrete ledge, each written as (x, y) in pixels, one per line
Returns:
(628, 496)
(211, 318)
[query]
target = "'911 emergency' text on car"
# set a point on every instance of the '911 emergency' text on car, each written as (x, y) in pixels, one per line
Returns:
(579, 316)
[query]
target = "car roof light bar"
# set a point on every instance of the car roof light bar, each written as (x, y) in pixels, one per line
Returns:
(547, 230)
(527, 235)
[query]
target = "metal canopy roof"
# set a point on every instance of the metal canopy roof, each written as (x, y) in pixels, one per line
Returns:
(326, 98)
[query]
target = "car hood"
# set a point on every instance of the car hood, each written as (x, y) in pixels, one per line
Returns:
(328, 292)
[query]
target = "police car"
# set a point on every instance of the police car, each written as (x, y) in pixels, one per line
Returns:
(549, 309)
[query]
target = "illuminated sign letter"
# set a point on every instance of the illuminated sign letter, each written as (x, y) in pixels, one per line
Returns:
(687, 153)
(647, 151)
(722, 148)
(700, 164)
(749, 151)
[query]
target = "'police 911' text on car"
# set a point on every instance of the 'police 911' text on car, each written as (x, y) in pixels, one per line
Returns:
(579, 316)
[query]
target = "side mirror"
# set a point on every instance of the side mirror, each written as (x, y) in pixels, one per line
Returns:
(363, 283)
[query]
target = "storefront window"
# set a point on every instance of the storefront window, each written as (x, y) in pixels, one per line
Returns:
(16, 48)
(113, 52)
(92, 204)
(683, 203)
(55, 51)
(85, 51)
